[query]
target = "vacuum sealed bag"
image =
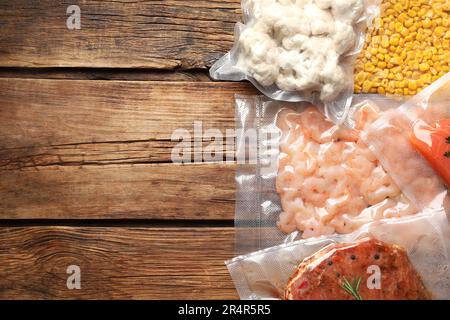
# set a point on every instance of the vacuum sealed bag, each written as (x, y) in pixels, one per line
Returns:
(405, 258)
(413, 143)
(301, 50)
(307, 177)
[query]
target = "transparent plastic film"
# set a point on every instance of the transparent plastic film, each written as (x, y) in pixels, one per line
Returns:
(412, 142)
(300, 50)
(309, 177)
(406, 258)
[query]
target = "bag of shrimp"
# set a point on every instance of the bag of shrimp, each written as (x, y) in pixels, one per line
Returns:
(389, 259)
(308, 177)
(412, 142)
(302, 50)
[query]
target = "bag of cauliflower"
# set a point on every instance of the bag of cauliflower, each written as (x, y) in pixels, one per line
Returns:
(300, 50)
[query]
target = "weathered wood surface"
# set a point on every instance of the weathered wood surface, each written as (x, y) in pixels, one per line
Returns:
(116, 263)
(148, 191)
(96, 149)
(82, 148)
(169, 34)
(47, 122)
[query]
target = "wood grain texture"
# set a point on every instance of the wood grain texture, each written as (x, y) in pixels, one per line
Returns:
(147, 191)
(74, 149)
(61, 122)
(116, 263)
(169, 34)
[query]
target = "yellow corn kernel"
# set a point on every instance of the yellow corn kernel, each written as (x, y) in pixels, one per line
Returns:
(373, 51)
(408, 23)
(399, 27)
(369, 67)
(416, 75)
(398, 7)
(399, 76)
(426, 23)
(381, 64)
(426, 78)
(412, 85)
(412, 13)
(376, 40)
(367, 85)
(394, 41)
(424, 67)
(385, 41)
(439, 31)
(400, 84)
(360, 76)
(395, 60)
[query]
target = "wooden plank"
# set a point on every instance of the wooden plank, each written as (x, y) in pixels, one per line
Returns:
(74, 149)
(57, 122)
(117, 33)
(116, 263)
(147, 191)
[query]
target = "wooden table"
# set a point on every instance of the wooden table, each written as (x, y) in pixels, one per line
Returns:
(86, 178)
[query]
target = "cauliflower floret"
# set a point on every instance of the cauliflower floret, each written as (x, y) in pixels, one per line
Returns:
(333, 76)
(321, 21)
(317, 46)
(344, 37)
(347, 10)
(272, 13)
(299, 71)
(256, 7)
(259, 56)
(291, 26)
(296, 42)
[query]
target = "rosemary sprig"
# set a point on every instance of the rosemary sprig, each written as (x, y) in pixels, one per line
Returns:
(448, 139)
(447, 154)
(352, 289)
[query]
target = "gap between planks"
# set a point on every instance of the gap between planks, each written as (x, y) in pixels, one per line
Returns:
(124, 74)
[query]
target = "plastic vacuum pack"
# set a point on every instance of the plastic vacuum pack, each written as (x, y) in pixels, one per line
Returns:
(300, 50)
